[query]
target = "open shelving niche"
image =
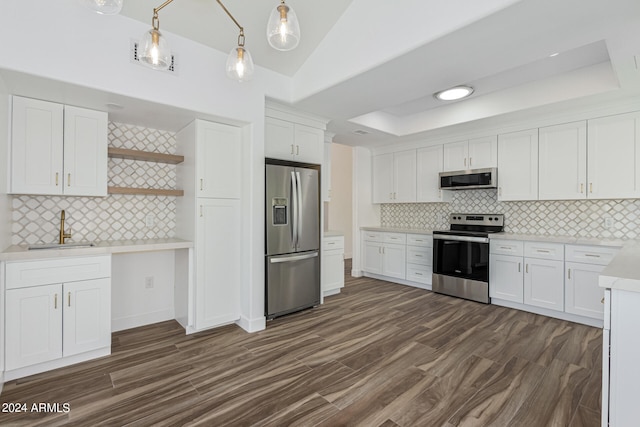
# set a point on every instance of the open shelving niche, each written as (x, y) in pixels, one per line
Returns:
(145, 156)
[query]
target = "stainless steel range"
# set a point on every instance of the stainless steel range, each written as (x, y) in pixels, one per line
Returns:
(461, 255)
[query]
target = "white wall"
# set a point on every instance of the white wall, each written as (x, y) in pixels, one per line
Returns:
(365, 213)
(65, 41)
(132, 303)
(340, 210)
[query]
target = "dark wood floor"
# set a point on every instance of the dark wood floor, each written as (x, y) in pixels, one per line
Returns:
(378, 354)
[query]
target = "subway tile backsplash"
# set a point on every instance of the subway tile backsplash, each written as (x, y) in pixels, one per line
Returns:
(36, 219)
(579, 218)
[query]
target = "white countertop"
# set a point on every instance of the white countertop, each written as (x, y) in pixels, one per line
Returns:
(21, 253)
(569, 240)
(398, 230)
(332, 233)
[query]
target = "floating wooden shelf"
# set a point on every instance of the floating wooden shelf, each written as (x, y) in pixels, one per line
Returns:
(144, 191)
(147, 156)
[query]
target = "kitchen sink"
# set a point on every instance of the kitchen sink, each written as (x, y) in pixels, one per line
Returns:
(61, 246)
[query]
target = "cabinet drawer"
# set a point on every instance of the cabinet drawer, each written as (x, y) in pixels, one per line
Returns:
(23, 274)
(330, 243)
(506, 247)
(419, 273)
(600, 255)
(420, 240)
(372, 236)
(543, 250)
(422, 256)
(399, 238)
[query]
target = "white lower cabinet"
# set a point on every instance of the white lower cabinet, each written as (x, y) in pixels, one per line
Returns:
(399, 257)
(385, 254)
(506, 270)
(332, 265)
(549, 277)
(544, 283)
(56, 309)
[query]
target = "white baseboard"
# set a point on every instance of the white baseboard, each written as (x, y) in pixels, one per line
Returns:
(356, 273)
(142, 319)
(425, 286)
(252, 325)
(596, 323)
(55, 364)
(330, 292)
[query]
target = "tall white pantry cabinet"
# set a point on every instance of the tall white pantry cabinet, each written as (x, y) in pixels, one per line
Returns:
(209, 215)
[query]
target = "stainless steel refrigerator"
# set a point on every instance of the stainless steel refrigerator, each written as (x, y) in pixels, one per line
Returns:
(292, 238)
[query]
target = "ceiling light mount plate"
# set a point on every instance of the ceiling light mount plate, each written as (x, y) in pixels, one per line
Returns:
(454, 93)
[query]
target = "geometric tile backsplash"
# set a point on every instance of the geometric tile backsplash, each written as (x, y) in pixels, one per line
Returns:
(36, 219)
(579, 218)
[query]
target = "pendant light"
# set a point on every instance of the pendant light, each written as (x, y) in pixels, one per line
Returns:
(105, 7)
(283, 29)
(154, 49)
(239, 62)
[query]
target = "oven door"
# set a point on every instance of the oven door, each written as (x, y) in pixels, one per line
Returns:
(465, 257)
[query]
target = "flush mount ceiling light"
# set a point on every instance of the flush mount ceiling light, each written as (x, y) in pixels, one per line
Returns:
(283, 29)
(454, 93)
(105, 7)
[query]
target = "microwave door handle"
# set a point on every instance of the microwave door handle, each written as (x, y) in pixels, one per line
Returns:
(299, 191)
(294, 210)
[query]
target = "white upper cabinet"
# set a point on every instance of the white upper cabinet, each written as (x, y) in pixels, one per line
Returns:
(475, 153)
(614, 157)
(429, 163)
(394, 177)
(563, 162)
(57, 149)
(218, 160)
(518, 165)
(292, 141)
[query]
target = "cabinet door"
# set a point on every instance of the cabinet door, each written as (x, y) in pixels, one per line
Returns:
(85, 152)
(506, 278)
(583, 295)
(455, 155)
(518, 166)
(382, 179)
(483, 152)
(279, 139)
(218, 157)
(404, 176)
(87, 316)
(372, 257)
(428, 166)
(394, 260)
(218, 262)
(544, 283)
(333, 269)
(33, 325)
(563, 162)
(309, 144)
(36, 147)
(613, 157)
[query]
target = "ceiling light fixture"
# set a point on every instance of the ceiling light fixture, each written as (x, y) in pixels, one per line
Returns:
(283, 29)
(155, 52)
(105, 7)
(454, 93)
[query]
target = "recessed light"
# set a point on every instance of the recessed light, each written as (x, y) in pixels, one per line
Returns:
(554, 54)
(361, 132)
(113, 106)
(454, 93)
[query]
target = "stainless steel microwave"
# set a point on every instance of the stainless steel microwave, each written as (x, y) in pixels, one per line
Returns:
(469, 179)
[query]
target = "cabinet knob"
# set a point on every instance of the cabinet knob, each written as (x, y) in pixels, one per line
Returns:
(602, 300)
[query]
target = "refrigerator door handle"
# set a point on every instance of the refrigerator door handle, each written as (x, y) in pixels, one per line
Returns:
(295, 207)
(293, 258)
(299, 220)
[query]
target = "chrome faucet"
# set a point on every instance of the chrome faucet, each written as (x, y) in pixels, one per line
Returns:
(63, 235)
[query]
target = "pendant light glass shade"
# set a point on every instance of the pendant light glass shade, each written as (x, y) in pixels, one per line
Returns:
(105, 7)
(283, 29)
(154, 50)
(239, 64)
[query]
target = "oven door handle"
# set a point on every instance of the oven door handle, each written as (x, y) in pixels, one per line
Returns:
(461, 238)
